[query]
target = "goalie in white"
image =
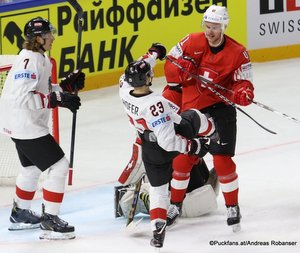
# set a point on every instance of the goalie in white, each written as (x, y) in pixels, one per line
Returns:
(201, 194)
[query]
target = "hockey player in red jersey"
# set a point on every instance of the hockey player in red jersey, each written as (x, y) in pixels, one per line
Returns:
(155, 120)
(27, 97)
(220, 59)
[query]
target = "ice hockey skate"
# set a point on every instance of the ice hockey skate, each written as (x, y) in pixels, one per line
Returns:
(174, 212)
(234, 217)
(22, 219)
(54, 228)
(159, 235)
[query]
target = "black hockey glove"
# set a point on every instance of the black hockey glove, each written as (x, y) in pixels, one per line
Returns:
(64, 99)
(197, 146)
(194, 146)
(74, 81)
(159, 49)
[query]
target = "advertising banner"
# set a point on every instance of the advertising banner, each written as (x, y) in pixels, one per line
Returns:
(114, 32)
(273, 29)
(273, 23)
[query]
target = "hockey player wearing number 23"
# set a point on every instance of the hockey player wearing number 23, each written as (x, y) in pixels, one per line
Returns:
(220, 59)
(27, 97)
(154, 118)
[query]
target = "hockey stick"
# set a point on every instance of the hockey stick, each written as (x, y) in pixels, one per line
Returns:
(130, 225)
(79, 12)
(275, 111)
(201, 78)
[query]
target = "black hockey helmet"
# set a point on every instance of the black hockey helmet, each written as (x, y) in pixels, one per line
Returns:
(37, 27)
(137, 72)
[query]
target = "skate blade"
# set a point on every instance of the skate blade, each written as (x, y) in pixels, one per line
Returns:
(51, 235)
(170, 227)
(157, 250)
(131, 227)
(156, 247)
(236, 228)
(23, 226)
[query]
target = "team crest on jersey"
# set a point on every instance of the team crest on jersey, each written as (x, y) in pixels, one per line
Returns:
(159, 121)
(25, 74)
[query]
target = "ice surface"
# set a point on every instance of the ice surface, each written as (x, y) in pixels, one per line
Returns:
(268, 167)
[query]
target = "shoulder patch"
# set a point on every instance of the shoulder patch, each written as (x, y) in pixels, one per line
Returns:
(25, 74)
(160, 120)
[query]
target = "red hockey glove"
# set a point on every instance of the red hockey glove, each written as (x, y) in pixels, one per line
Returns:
(159, 49)
(243, 96)
(190, 66)
(64, 99)
(74, 81)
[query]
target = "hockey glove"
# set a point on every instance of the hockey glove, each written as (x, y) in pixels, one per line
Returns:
(74, 81)
(197, 146)
(189, 65)
(243, 96)
(159, 49)
(211, 131)
(194, 146)
(64, 99)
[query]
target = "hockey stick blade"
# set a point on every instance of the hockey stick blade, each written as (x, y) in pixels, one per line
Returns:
(76, 6)
(79, 12)
(263, 127)
(275, 111)
(131, 227)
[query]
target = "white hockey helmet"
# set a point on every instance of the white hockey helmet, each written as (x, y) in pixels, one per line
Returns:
(216, 14)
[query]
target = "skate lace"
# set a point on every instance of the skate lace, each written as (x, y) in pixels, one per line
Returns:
(232, 212)
(32, 213)
(173, 211)
(59, 221)
(25, 213)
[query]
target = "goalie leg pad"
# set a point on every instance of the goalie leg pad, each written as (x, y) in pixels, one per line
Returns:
(214, 181)
(119, 193)
(122, 208)
(135, 169)
(199, 202)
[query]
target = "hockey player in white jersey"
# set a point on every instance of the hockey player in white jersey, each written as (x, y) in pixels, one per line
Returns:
(27, 97)
(154, 119)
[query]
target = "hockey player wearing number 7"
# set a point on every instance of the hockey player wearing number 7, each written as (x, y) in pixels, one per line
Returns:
(218, 58)
(154, 119)
(27, 97)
